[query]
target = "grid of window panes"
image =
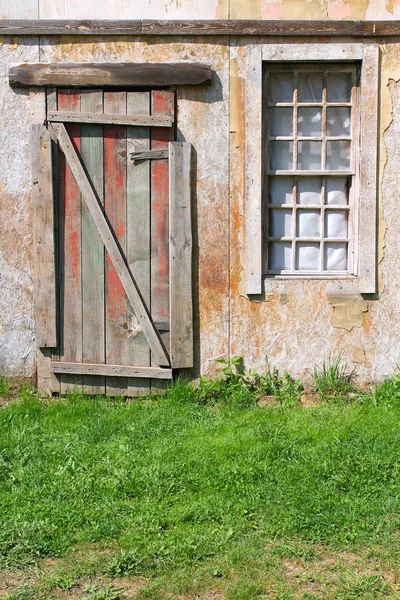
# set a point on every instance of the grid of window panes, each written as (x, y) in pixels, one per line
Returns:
(310, 122)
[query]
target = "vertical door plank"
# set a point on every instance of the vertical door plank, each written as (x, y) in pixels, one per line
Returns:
(115, 208)
(93, 344)
(181, 308)
(138, 234)
(70, 242)
(162, 103)
(43, 237)
(52, 104)
(44, 259)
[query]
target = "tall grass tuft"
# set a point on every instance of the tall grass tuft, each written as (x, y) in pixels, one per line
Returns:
(333, 379)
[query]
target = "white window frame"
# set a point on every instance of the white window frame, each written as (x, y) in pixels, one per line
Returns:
(367, 55)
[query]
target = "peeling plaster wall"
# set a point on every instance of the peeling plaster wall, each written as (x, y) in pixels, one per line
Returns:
(301, 322)
(16, 280)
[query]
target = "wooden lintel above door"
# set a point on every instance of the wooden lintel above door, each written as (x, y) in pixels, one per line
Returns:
(131, 75)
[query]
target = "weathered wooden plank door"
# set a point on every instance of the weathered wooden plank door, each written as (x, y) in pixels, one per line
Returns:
(122, 239)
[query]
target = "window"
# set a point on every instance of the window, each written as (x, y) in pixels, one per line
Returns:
(311, 164)
(310, 142)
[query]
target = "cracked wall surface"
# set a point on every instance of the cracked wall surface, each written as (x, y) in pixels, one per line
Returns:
(300, 323)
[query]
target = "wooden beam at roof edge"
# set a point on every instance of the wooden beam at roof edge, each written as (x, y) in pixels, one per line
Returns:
(199, 27)
(84, 75)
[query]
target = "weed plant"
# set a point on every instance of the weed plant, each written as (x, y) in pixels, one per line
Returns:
(239, 389)
(334, 380)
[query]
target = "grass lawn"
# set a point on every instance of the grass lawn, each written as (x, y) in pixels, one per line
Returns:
(201, 494)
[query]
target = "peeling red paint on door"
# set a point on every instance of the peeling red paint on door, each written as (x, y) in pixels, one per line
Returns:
(162, 104)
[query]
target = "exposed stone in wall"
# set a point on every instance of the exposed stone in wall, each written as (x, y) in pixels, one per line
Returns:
(348, 311)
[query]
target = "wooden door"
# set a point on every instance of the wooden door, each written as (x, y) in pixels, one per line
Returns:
(122, 241)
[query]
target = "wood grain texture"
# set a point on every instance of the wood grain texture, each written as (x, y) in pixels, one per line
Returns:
(71, 242)
(369, 99)
(180, 256)
(93, 330)
(109, 74)
(111, 245)
(254, 170)
(52, 103)
(115, 208)
(138, 232)
(162, 103)
(112, 371)
(108, 119)
(149, 155)
(43, 237)
(196, 27)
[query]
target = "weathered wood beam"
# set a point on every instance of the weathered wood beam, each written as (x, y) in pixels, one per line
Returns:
(180, 255)
(110, 370)
(43, 238)
(84, 75)
(199, 27)
(108, 119)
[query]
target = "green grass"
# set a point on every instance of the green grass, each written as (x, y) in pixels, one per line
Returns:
(202, 490)
(4, 387)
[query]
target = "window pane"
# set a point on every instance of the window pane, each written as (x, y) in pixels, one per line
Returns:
(310, 87)
(281, 156)
(338, 120)
(309, 190)
(309, 121)
(281, 190)
(279, 256)
(307, 257)
(281, 121)
(336, 223)
(281, 86)
(308, 223)
(338, 87)
(338, 156)
(280, 223)
(337, 190)
(309, 156)
(335, 258)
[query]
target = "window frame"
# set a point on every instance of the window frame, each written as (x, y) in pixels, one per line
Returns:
(364, 234)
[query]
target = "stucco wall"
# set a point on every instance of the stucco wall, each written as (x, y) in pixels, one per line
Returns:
(200, 9)
(296, 327)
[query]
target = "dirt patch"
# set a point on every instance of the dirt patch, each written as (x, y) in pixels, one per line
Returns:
(11, 581)
(212, 595)
(310, 399)
(265, 400)
(129, 587)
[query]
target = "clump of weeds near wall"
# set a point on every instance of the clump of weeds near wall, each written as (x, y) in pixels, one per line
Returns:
(202, 494)
(334, 380)
(236, 387)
